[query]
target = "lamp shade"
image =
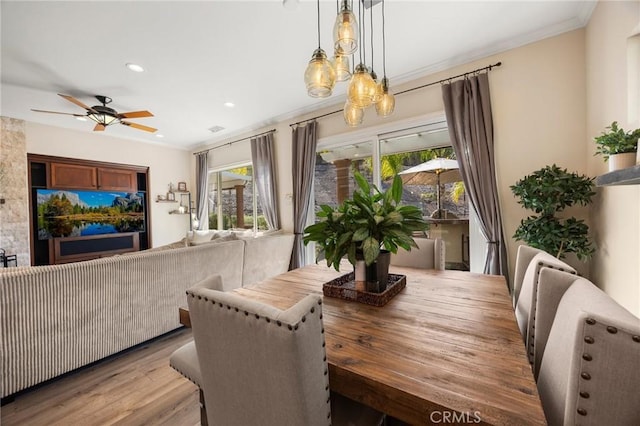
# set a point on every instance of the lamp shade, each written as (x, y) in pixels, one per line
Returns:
(387, 102)
(345, 30)
(362, 88)
(319, 77)
(352, 114)
(341, 65)
(377, 94)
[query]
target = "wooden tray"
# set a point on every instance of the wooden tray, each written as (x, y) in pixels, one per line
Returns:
(344, 287)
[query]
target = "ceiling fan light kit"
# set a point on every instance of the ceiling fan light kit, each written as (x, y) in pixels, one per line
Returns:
(103, 115)
(363, 87)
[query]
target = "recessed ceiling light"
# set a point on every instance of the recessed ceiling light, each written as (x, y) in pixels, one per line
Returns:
(215, 129)
(229, 104)
(135, 67)
(159, 136)
(81, 118)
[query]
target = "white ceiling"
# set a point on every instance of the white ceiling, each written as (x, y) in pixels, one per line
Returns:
(200, 54)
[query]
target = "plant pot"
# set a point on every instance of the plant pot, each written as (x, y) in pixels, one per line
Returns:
(378, 273)
(360, 272)
(621, 161)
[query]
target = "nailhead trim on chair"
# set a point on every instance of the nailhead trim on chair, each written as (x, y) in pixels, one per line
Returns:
(532, 326)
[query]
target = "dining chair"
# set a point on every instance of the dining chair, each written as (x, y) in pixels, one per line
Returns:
(526, 306)
(590, 372)
(430, 254)
(523, 257)
(261, 365)
(552, 284)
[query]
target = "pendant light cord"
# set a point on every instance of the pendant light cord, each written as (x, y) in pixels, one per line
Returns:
(384, 46)
(364, 35)
(371, 29)
(318, 2)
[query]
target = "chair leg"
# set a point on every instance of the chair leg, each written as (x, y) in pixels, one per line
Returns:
(203, 410)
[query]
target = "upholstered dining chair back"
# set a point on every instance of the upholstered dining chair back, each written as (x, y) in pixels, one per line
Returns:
(430, 254)
(255, 364)
(552, 284)
(260, 365)
(526, 305)
(590, 369)
(523, 258)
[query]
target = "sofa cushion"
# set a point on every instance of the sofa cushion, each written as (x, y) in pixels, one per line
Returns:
(216, 240)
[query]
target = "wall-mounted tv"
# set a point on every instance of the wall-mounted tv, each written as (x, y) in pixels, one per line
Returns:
(71, 213)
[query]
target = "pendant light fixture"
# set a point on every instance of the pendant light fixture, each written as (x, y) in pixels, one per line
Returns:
(387, 102)
(352, 114)
(320, 77)
(377, 95)
(341, 65)
(345, 30)
(362, 88)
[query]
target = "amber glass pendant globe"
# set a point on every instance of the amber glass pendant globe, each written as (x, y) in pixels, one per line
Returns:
(362, 88)
(341, 65)
(352, 114)
(345, 30)
(319, 77)
(387, 103)
(377, 94)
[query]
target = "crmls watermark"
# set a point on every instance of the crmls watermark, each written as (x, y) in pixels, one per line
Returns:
(454, 417)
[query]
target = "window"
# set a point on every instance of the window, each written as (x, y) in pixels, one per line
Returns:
(379, 158)
(236, 204)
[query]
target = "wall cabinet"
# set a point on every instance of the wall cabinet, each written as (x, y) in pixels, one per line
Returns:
(73, 176)
(76, 176)
(117, 180)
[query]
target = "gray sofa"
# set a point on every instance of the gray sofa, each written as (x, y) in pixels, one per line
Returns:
(57, 318)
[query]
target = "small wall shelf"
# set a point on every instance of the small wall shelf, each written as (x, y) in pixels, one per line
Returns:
(628, 176)
(166, 201)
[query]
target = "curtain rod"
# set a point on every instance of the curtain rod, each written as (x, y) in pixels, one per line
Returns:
(488, 68)
(237, 140)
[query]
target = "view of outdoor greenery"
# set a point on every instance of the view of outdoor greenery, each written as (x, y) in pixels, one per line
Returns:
(237, 194)
(330, 189)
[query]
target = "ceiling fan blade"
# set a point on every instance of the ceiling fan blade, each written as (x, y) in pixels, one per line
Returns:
(77, 102)
(99, 127)
(56, 112)
(135, 114)
(139, 126)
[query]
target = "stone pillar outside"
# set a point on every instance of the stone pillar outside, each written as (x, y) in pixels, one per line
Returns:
(239, 206)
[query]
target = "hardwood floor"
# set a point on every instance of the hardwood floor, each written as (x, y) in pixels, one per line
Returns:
(137, 387)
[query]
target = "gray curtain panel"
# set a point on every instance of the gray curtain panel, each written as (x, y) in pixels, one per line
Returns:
(303, 150)
(202, 183)
(468, 109)
(264, 174)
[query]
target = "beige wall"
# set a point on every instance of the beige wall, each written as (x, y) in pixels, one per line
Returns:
(616, 213)
(165, 165)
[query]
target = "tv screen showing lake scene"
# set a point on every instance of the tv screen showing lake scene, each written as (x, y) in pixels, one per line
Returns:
(71, 213)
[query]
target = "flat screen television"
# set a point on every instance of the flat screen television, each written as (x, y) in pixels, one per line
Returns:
(71, 213)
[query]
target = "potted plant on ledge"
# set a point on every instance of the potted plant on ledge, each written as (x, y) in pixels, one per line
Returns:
(618, 147)
(366, 229)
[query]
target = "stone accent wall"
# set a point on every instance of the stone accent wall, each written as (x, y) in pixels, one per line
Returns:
(14, 212)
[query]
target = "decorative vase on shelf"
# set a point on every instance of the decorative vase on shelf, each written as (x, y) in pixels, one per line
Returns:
(621, 161)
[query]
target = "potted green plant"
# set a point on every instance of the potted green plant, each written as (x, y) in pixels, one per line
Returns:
(369, 226)
(548, 191)
(617, 146)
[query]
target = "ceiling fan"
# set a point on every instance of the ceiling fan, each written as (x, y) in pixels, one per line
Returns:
(103, 115)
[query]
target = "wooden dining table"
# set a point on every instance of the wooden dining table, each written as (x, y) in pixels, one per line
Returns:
(445, 350)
